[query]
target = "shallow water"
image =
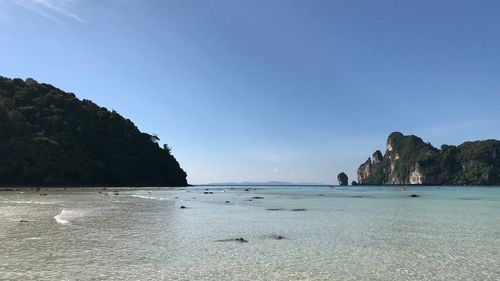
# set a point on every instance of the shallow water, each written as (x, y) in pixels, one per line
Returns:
(355, 233)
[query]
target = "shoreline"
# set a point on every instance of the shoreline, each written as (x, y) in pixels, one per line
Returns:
(111, 188)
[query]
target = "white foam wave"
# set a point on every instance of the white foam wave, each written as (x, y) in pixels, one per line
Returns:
(66, 216)
(27, 202)
(146, 197)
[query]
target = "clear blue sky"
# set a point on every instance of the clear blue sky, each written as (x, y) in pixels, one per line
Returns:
(269, 90)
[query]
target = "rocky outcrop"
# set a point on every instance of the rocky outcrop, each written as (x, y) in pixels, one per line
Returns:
(377, 157)
(410, 160)
(365, 171)
(342, 179)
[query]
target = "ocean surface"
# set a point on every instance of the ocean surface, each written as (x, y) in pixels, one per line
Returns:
(353, 233)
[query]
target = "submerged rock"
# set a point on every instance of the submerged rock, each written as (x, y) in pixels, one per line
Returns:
(414, 195)
(239, 239)
(275, 209)
(277, 237)
(299, 210)
(183, 207)
(257, 197)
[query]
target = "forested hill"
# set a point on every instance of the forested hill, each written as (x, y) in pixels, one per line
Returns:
(410, 160)
(51, 138)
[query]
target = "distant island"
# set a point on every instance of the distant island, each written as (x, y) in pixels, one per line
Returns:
(410, 160)
(51, 138)
(268, 183)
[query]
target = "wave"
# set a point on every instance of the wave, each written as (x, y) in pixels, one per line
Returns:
(146, 197)
(66, 216)
(28, 202)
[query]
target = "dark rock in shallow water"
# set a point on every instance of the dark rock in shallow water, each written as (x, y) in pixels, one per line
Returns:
(23, 221)
(299, 210)
(227, 202)
(183, 207)
(354, 183)
(277, 237)
(208, 192)
(257, 197)
(275, 209)
(414, 195)
(43, 194)
(240, 239)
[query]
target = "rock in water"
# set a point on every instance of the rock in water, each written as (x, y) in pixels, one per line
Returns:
(354, 183)
(240, 239)
(342, 179)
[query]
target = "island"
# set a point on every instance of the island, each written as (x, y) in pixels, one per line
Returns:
(342, 179)
(408, 160)
(51, 138)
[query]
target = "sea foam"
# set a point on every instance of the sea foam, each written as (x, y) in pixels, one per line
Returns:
(66, 216)
(146, 197)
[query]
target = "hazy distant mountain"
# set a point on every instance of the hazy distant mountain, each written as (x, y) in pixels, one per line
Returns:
(266, 183)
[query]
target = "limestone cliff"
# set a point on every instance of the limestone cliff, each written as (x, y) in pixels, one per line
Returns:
(410, 160)
(342, 179)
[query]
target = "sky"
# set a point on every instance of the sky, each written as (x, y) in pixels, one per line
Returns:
(262, 90)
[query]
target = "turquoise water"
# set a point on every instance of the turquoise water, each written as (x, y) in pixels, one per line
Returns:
(355, 233)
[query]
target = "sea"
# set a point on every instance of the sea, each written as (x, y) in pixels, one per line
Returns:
(251, 233)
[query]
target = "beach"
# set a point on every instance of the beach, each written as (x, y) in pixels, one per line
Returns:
(288, 233)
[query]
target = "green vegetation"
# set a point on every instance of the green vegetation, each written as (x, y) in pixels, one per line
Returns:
(49, 137)
(410, 150)
(471, 163)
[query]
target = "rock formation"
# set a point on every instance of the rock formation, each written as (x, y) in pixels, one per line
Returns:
(410, 160)
(342, 179)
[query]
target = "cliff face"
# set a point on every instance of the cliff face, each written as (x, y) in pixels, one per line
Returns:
(409, 160)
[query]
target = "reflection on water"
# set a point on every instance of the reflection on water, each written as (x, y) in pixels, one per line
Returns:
(361, 233)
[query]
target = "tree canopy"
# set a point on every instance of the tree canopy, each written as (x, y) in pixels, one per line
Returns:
(50, 137)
